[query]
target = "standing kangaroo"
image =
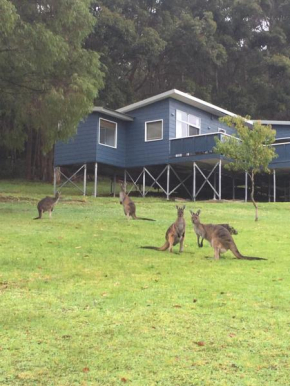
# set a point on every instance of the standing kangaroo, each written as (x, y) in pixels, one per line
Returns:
(218, 237)
(46, 205)
(175, 233)
(129, 206)
(231, 229)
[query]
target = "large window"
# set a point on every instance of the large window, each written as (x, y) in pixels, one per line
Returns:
(187, 125)
(108, 133)
(154, 130)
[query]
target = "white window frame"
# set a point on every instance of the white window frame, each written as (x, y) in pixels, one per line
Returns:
(187, 123)
(221, 130)
(152, 140)
(116, 138)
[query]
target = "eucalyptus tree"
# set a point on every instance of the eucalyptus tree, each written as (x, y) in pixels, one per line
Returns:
(250, 152)
(48, 80)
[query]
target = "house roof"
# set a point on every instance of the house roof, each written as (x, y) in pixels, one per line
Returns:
(112, 113)
(268, 122)
(182, 97)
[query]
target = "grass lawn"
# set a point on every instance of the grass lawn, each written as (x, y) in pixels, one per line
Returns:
(82, 304)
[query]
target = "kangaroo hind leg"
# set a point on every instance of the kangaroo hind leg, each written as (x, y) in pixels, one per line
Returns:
(181, 243)
(216, 253)
(171, 242)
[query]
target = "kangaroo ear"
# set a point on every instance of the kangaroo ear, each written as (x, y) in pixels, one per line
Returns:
(177, 207)
(191, 212)
(183, 207)
(198, 212)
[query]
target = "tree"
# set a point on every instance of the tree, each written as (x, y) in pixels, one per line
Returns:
(250, 152)
(48, 80)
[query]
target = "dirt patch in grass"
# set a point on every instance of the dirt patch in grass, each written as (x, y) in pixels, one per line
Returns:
(16, 199)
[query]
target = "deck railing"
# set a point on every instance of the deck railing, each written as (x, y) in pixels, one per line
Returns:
(283, 152)
(203, 144)
(196, 145)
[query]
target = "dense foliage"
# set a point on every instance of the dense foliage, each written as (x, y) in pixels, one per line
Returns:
(233, 53)
(48, 81)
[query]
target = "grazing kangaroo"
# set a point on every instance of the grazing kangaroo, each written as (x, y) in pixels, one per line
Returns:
(231, 229)
(129, 206)
(218, 237)
(46, 205)
(175, 233)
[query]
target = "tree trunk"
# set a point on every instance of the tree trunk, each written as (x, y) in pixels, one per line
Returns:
(252, 195)
(29, 146)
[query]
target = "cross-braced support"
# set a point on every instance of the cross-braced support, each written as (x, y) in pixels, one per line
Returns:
(206, 180)
(156, 181)
(69, 179)
(126, 173)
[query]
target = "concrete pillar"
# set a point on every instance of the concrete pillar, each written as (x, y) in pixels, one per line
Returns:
(220, 180)
(96, 180)
(144, 183)
(85, 179)
(194, 182)
(168, 182)
(274, 185)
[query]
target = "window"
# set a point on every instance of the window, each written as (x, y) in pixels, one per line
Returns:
(153, 130)
(108, 133)
(187, 125)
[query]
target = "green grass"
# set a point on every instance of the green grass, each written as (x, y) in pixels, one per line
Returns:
(82, 304)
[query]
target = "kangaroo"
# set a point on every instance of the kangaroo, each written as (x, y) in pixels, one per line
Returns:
(218, 237)
(46, 205)
(231, 229)
(175, 233)
(129, 206)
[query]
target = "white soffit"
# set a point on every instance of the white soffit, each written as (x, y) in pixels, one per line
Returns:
(112, 113)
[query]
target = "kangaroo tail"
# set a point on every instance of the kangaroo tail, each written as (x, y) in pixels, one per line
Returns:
(149, 247)
(163, 248)
(251, 258)
(144, 218)
(240, 256)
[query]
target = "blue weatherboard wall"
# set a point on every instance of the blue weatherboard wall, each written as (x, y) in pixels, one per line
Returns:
(84, 147)
(282, 131)
(133, 151)
(112, 156)
(209, 122)
(81, 148)
(139, 152)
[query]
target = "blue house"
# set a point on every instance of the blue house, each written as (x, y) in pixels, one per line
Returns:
(166, 142)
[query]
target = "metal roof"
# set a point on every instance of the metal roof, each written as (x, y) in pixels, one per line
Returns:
(269, 122)
(182, 97)
(112, 113)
